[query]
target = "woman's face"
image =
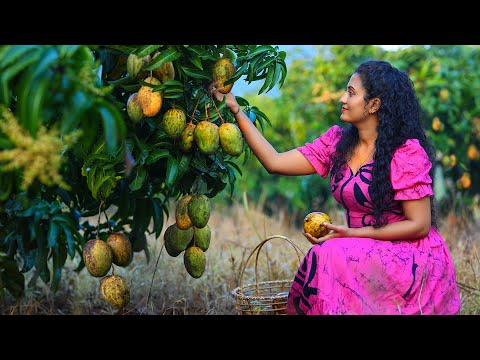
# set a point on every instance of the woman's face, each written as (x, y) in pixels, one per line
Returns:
(352, 100)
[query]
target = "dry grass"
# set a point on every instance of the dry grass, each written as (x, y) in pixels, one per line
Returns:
(236, 230)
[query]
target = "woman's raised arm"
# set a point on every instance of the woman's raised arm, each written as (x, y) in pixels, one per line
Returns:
(290, 162)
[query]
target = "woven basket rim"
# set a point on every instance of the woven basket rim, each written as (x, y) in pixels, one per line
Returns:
(237, 294)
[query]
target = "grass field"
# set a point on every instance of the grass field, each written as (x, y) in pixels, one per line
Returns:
(236, 230)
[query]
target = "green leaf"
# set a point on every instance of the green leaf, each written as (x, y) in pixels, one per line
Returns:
(230, 54)
(52, 234)
(35, 104)
(195, 60)
(268, 79)
(260, 49)
(194, 48)
(65, 196)
(97, 156)
(11, 278)
(6, 185)
(231, 180)
(253, 64)
(265, 64)
(99, 147)
(7, 74)
(169, 83)
(261, 115)
(278, 71)
(70, 240)
(132, 88)
(146, 50)
(123, 81)
(79, 104)
(172, 171)
(49, 58)
(58, 260)
(183, 165)
(172, 90)
(170, 54)
(141, 217)
(195, 73)
(113, 126)
(235, 166)
(215, 186)
(242, 70)
(284, 73)
(98, 184)
(156, 155)
(174, 95)
(157, 216)
(65, 51)
(138, 180)
(41, 254)
(125, 49)
(199, 162)
(15, 52)
(206, 55)
(90, 171)
(241, 101)
(4, 49)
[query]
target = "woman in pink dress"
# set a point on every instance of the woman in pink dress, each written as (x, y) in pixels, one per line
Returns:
(389, 257)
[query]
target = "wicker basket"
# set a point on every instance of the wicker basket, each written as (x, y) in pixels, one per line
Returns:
(265, 297)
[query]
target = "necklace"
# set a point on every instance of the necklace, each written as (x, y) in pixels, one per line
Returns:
(365, 160)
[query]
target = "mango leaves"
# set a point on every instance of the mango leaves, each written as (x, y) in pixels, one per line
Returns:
(261, 62)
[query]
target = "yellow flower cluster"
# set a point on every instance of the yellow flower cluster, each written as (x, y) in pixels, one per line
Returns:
(40, 157)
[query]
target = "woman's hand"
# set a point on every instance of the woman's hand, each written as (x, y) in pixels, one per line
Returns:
(336, 232)
(231, 102)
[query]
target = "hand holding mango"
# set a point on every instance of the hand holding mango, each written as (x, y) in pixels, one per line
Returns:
(313, 224)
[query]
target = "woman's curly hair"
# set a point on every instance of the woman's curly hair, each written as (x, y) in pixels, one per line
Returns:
(399, 120)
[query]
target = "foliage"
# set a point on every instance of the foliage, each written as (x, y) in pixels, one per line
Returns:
(447, 83)
(79, 153)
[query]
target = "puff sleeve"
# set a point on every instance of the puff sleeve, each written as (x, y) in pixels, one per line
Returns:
(409, 172)
(318, 152)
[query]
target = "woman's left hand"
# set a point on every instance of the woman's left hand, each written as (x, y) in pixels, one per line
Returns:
(336, 232)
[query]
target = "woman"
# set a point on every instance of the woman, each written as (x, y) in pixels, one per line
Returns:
(389, 257)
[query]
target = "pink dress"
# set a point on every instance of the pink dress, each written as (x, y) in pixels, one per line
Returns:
(367, 276)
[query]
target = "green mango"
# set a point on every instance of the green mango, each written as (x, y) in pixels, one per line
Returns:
(231, 139)
(177, 240)
(199, 210)
(174, 121)
(195, 261)
(206, 136)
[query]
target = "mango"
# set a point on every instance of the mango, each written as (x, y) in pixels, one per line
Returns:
(222, 70)
(199, 210)
(176, 240)
(206, 137)
(231, 139)
(97, 256)
(174, 121)
(195, 261)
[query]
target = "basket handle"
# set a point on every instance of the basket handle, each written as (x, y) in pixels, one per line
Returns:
(259, 247)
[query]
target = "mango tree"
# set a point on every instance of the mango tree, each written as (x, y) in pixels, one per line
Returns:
(84, 129)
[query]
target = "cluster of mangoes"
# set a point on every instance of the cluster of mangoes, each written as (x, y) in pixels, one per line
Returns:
(206, 135)
(99, 256)
(190, 233)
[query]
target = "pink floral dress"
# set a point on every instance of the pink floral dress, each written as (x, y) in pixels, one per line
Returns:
(367, 276)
